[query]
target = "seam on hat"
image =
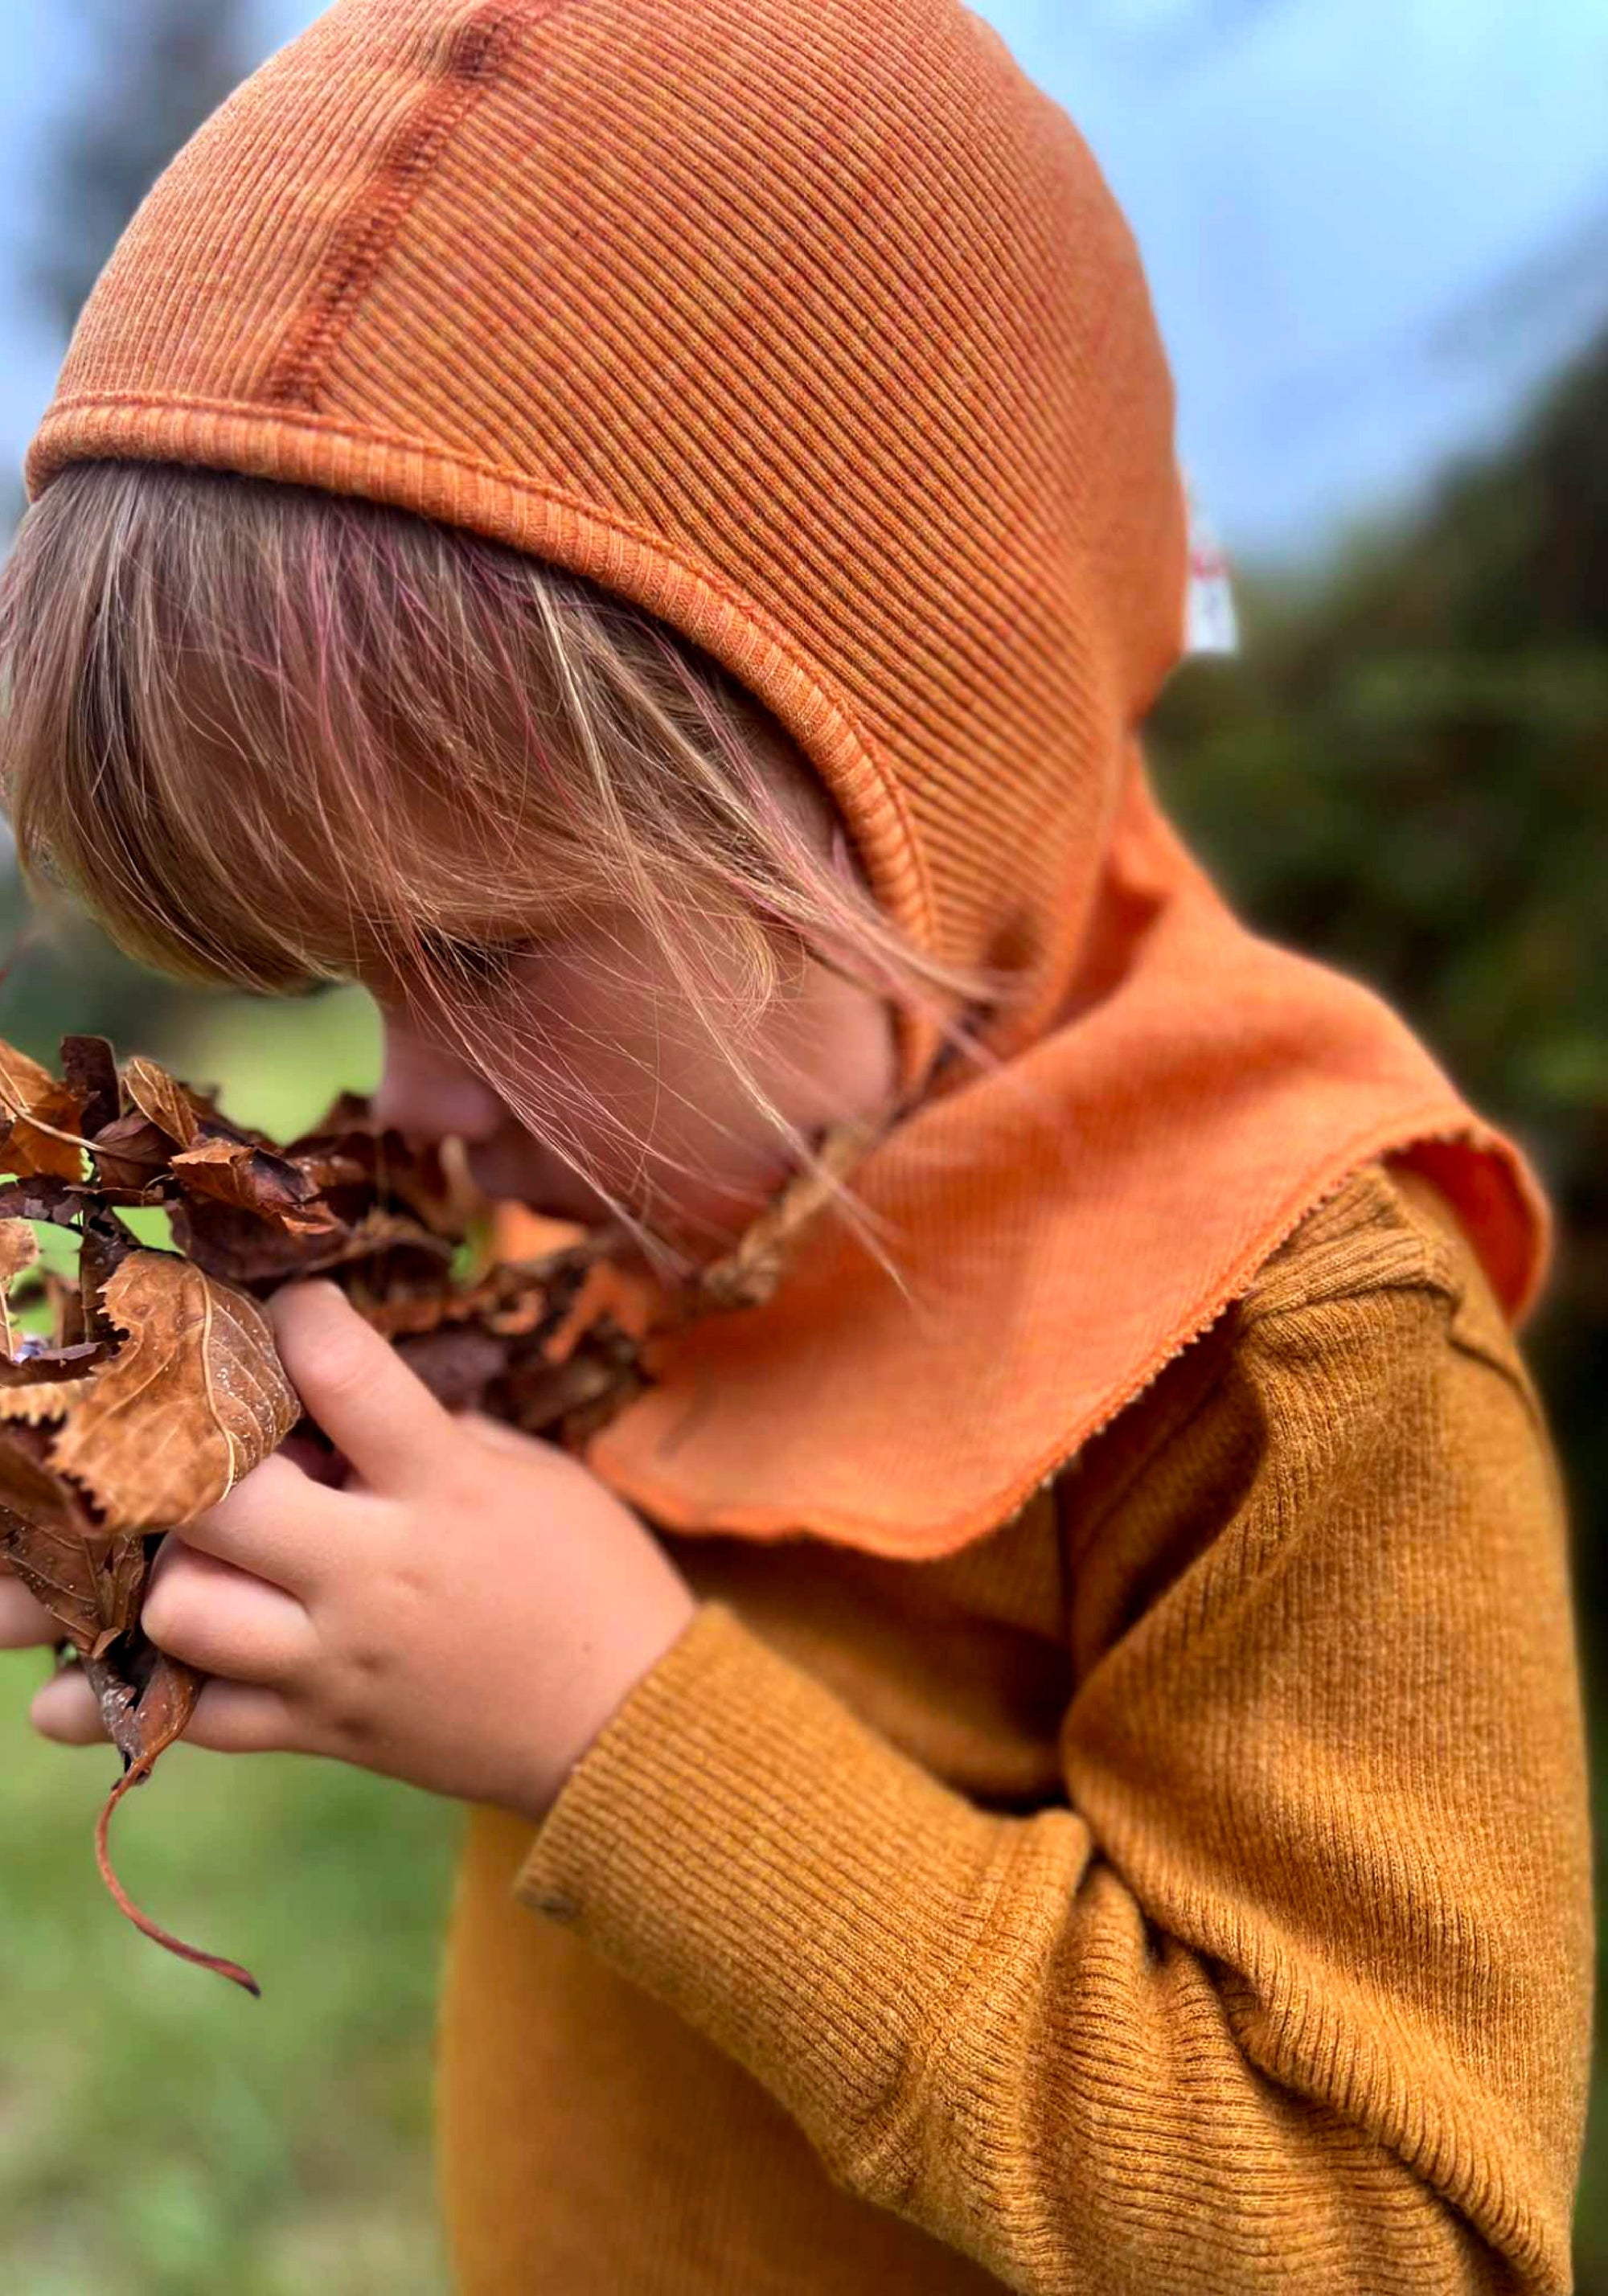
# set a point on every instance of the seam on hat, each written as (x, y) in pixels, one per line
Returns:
(465, 70)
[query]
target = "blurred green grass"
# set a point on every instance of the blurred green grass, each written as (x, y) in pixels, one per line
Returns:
(160, 2134)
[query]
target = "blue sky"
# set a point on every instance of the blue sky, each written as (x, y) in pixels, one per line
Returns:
(1374, 228)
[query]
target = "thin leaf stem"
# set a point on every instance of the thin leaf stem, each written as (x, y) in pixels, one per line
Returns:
(133, 1776)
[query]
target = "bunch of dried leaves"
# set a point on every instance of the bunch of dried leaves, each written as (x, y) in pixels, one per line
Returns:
(158, 1386)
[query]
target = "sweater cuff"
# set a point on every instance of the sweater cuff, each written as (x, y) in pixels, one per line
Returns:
(741, 1845)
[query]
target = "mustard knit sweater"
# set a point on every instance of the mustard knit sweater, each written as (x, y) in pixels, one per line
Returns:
(1185, 1888)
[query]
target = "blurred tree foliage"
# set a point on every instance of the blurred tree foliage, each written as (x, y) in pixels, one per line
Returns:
(1404, 774)
(168, 64)
(165, 65)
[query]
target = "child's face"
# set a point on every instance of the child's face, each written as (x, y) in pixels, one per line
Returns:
(600, 1003)
(825, 1054)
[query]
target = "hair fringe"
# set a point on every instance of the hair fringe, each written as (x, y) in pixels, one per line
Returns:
(241, 716)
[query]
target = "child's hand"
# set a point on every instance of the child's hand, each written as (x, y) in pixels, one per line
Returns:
(23, 1621)
(466, 1613)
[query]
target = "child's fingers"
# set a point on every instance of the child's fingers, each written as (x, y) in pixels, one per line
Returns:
(24, 1622)
(278, 1524)
(357, 1388)
(498, 1434)
(68, 1711)
(223, 1620)
(230, 1718)
(245, 1717)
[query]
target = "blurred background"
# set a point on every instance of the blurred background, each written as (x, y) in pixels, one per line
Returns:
(1377, 232)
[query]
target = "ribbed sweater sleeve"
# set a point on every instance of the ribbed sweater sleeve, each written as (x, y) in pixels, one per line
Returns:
(1294, 1989)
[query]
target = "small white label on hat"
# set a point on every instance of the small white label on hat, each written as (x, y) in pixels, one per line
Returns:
(1212, 624)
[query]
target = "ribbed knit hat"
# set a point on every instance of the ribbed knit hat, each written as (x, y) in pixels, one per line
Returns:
(810, 327)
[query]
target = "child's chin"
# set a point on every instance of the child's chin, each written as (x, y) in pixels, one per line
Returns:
(715, 1217)
(540, 1185)
(703, 1218)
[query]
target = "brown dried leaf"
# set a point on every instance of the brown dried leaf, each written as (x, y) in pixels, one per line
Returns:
(145, 1697)
(89, 1069)
(749, 1273)
(240, 1249)
(84, 1579)
(577, 1428)
(414, 1301)
(125, 1570)
(193, 1398)
(131, 1151)
(327, 1168)
(401, 1314)
(39, 1112)
(434, 1182)
(48, 1364)
(37, 1198)
(539, 1394)
(255, 1180)
(392, 1249)
(629, 1301)
(162, 1099)
(514, 1316)
(28, 1484)
(105, 1244)
(19, 1249)
(38, 1401)
(163, 1387)
(161, 1710)
(216, 1125)
(174, 1701)
(66, 1306)
(458, 1364)
(348, 1149)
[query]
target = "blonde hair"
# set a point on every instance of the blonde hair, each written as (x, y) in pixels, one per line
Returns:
(270, 736)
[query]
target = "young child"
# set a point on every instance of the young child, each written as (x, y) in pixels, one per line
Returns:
(1047, 1753)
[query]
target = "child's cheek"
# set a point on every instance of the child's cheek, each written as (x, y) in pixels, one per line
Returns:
(635, 1044)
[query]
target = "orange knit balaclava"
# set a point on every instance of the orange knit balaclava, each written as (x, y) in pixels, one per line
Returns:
(810, 327)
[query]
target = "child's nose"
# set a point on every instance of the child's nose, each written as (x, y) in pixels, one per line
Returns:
(426, 1093)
